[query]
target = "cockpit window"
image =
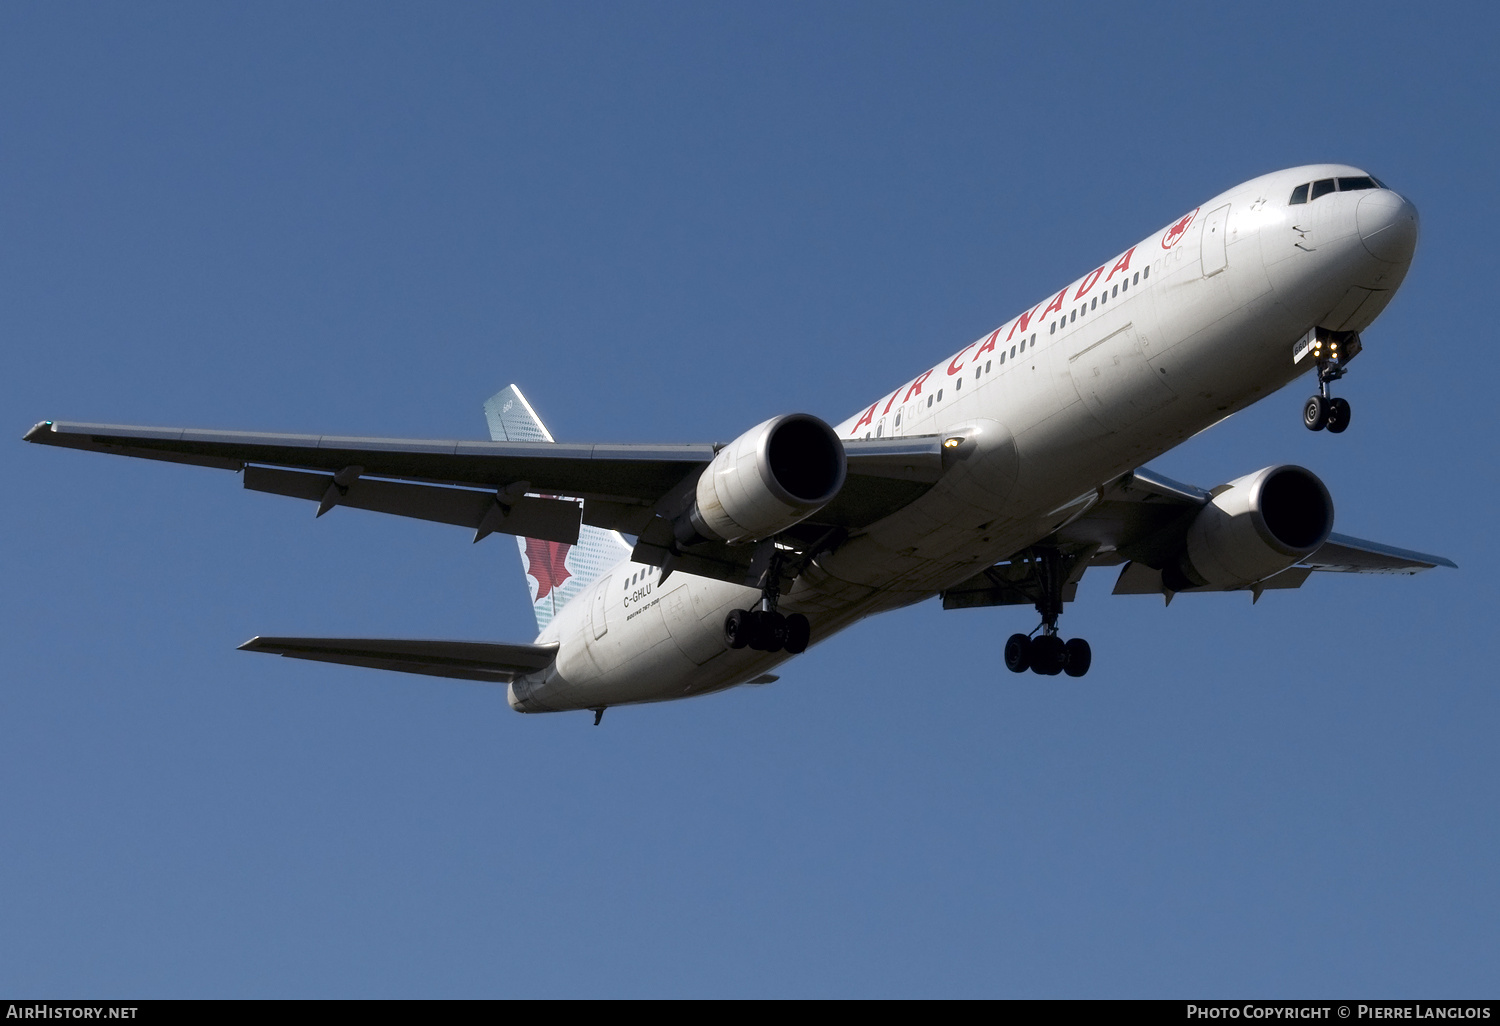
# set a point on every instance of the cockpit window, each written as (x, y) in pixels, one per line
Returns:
(1322, 187)
(1299, 194)
(1352, 184)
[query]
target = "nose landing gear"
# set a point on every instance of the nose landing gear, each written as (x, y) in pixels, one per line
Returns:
(1333, 351)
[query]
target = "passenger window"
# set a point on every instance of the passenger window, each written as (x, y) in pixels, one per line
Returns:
(1137, 278)
(1073, 316)
(1013, 351)
(898, 420)
(1116, 292)
(1355, 184)
(929, 400)
(987, 364)
(1033, 338)
(1095, 303)
(958, 383)
(1147, 272)
(1322, 187)
(1023, 345)
(1299, 194)
(978, 371)
(940, 395)
(1052, 330)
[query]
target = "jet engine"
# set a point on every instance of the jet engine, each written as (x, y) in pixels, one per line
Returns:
(773, 476)
(1253, 527)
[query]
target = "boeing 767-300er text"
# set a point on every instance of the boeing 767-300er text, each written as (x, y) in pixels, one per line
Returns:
(996, 477)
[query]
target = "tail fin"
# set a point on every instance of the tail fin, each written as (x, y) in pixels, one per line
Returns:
(556, 572)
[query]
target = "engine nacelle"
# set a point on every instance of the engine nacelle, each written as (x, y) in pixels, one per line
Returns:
(1256, 526)
(773, 476)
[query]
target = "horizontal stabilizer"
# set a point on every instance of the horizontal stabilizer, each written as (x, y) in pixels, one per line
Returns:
(466, 660)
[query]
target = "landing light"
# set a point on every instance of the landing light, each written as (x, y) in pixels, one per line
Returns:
(952, 443)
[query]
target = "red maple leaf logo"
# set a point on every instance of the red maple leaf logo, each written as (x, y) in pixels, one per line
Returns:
(544, 564)
(1175, 233)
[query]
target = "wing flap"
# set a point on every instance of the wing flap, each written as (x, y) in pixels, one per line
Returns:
(527, 516)
(465, 660)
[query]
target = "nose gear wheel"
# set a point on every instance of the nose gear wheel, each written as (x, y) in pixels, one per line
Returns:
(1334, 350)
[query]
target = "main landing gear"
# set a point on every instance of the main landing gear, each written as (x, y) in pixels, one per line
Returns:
(1046, 653)
(1334, 350)
(763, 628)
(766, 630)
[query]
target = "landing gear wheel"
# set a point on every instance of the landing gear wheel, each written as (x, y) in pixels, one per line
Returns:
(1315, 413)
(737, 628)
(770, 632)
(1017, 653)
(1077, 657)
(798, 633)
(1338, 415)
(1047, 655)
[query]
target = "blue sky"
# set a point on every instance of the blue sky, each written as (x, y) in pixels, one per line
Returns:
(668, 222)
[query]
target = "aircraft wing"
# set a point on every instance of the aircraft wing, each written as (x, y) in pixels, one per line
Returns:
(466, 660)
(1140, 520)
(510, 487)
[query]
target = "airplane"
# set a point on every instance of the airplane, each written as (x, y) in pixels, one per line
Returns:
(995, 477)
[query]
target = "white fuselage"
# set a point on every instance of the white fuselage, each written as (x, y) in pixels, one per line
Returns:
(1178, 332)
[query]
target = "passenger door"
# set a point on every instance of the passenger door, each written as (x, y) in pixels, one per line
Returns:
(597, 612)
(1215, 243)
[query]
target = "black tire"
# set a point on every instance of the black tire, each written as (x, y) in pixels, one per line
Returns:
(1047, 655)
(755, 631)
(1077, 657)
(798, 633)
(1017, 653)
(1315, 413)
(737, 628)
(1338, 415)
(772, 632)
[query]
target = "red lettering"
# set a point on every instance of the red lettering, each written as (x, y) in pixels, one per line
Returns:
(1122, 264)
(890, 402)
(989, 344)
(916, 386)
(954, 367)
(868, 418)
(1021, 323)
(1088, 282)
(1056, 304)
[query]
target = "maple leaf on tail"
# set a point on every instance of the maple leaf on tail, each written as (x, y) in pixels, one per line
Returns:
(545, 564)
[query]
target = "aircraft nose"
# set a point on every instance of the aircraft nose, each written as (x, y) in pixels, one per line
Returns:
(1387, 226)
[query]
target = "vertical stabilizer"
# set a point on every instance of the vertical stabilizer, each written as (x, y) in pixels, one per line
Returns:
(556, 572)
